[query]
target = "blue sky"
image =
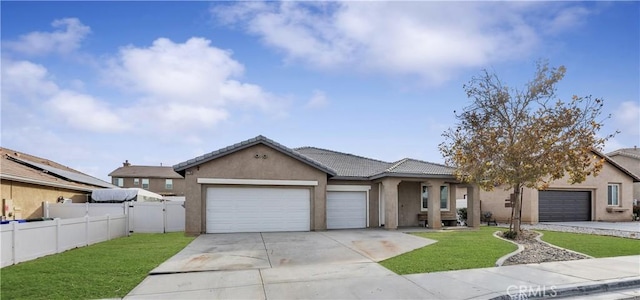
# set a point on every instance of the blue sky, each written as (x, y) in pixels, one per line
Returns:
(91, 84)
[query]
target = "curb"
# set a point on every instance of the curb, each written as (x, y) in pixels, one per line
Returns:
(501, 260)
(581, 290)
(539, 239)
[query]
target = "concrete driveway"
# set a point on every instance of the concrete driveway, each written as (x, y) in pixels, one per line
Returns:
(622, 226)
(329, 264)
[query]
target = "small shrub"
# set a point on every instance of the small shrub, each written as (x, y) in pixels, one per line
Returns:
(636, 212)
(463, 214)
(509, 234)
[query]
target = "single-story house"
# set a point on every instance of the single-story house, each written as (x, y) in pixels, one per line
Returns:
(260, 185)
(606, 197)
(26, 181)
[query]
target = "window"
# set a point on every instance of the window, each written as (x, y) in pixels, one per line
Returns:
(136, 181)
(613, 194)
(444, 197)
(168, 184)
(425, 198)
(118, 181)
(145, 183)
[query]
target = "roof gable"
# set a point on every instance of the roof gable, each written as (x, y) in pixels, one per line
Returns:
(181, 167)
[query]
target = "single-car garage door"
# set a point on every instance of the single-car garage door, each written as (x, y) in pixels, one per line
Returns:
(564, 206)
(346, 210)
(254, 209)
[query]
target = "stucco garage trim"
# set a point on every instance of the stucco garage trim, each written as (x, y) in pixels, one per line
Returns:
(257, 182)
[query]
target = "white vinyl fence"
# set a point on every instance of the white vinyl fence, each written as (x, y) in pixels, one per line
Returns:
(82, 224)
(26, 241)
(143, 217)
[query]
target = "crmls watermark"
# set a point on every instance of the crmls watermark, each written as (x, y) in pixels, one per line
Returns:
(522, 292)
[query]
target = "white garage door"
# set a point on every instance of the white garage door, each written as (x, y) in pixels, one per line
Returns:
(346, 210)
(242, 209)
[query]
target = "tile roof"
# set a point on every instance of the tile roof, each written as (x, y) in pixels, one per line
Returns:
(334, 163)
(413, 167)
(22, 167)
(145, 171)
(349, 165)
(249, 143)
(346, 165)
(629, 152)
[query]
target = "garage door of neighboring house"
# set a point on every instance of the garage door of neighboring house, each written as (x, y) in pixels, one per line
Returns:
(346, 209)
(257, 209)
(564, 206)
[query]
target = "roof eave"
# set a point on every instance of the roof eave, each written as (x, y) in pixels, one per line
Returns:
(411, 175)
(46, 183)
(615, 164)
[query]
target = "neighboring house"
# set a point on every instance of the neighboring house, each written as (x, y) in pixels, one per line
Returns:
(26, 181)
(158, 179)
(629, 158)
(259, 185)
(606, 197)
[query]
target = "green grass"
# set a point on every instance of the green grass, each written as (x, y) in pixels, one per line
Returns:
(455, 250)
(594, 245)
(104, 270)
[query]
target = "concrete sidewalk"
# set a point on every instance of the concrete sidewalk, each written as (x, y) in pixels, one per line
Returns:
(369, 280)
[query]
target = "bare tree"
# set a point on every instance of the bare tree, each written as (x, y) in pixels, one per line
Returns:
(524, 137)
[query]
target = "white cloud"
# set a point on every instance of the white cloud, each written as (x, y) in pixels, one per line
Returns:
(65, 38)
(627, 116)
(430, 39)
(186, 85)
(86, 113)
(24, 80)
(318, 100)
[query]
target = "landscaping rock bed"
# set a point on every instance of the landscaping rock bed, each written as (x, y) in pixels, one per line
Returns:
(538, 252)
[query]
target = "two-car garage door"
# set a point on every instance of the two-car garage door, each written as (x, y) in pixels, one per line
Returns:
(256, 209)
(564, 206)
(265, 209)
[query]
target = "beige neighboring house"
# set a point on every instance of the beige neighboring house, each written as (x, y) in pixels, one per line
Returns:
(629, 158)
(606, 197)
(260, 185)
(158, 179)
(26, 181)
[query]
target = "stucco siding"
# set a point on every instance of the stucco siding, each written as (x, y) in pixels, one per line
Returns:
(633, 165)
(408, 203)
(27, 198)
(243, 165)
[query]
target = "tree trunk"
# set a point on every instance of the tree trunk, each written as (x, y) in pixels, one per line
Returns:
(517, 208)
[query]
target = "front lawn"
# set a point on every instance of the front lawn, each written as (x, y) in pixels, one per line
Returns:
(104, 270)
(455, 250)
(594, 245)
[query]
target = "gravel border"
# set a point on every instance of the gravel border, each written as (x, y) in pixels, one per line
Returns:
(535, 250)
